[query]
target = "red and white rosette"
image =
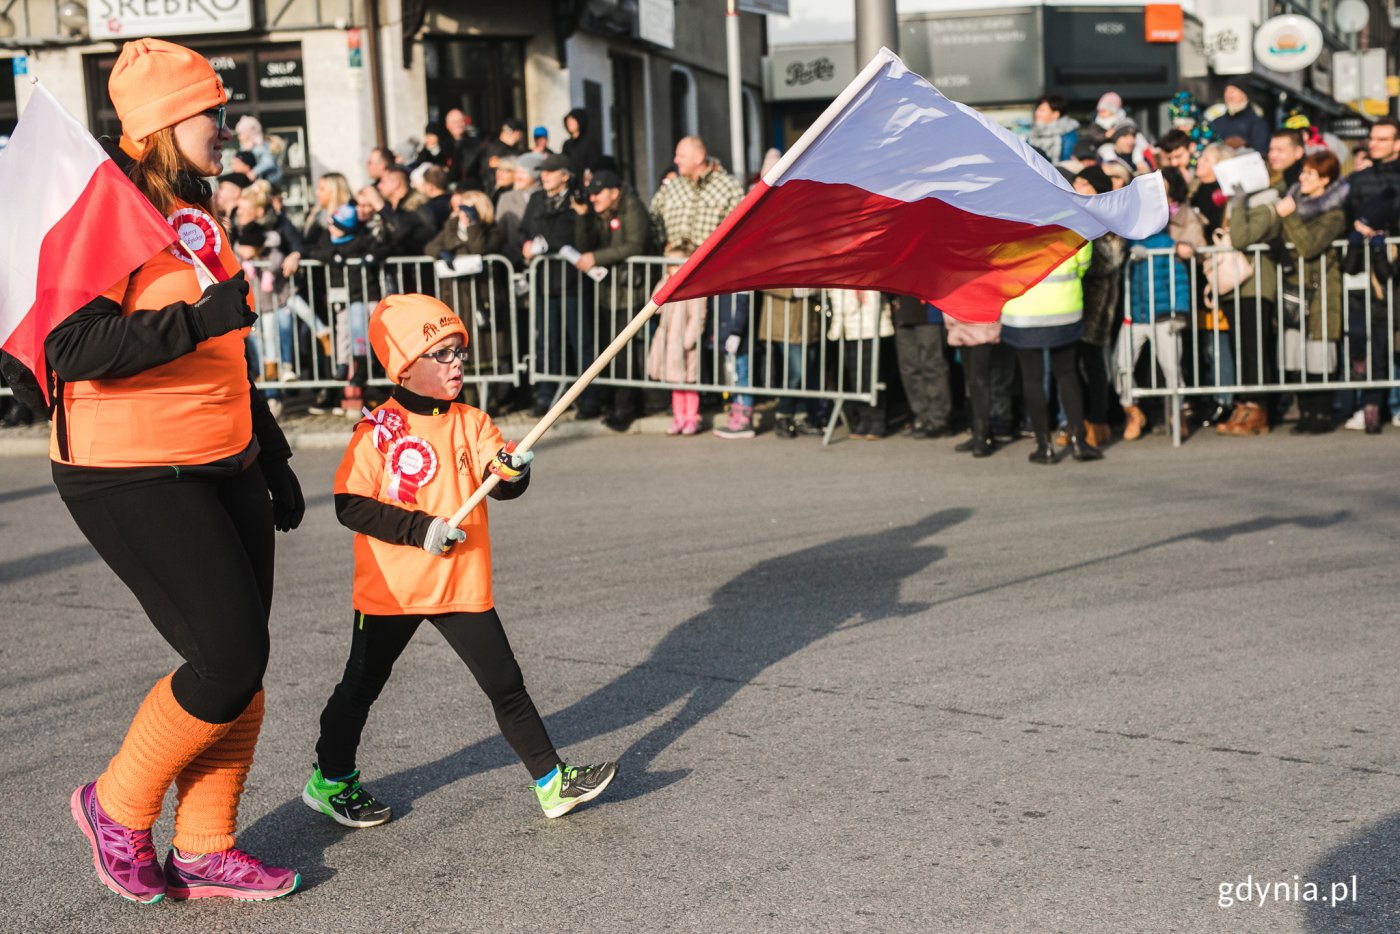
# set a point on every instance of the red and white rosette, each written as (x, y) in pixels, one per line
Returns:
(389, 426)
(198, 231)
(412, 463)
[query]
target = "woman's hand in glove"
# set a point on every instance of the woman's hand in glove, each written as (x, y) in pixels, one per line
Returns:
(223, 308)
(288, 505)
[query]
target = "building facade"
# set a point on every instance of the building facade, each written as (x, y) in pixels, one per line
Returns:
(1001, 56)
(330, 79)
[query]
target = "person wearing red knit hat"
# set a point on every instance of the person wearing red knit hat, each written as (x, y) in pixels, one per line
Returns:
(411, 461)
(174, 469)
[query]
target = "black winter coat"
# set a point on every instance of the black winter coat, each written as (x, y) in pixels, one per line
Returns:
(631, 237)
(556, 221)
(407, 232)
(1248, 125)
(362, 283)
(1375, 196)
(551, 218)
(585, 151)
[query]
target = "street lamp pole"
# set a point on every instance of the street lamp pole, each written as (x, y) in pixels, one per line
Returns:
(736, 93)
(876, 26)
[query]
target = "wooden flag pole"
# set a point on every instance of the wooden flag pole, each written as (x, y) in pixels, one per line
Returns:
(566, 400)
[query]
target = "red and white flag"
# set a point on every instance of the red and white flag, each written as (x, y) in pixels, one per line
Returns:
(74, 224)
(897, 188)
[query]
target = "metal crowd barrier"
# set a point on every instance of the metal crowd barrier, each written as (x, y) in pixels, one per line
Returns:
(312, 329)
(785, 350)
(312, 333)
(1206, 343)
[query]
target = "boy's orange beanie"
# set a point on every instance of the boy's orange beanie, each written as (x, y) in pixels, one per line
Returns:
(403, 327)
(156, 84)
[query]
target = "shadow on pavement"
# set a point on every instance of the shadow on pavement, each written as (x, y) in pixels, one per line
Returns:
(46, 562)
(1373, 857)
(10, 496)
(1214, 535)
(766, 614)
(771, 611)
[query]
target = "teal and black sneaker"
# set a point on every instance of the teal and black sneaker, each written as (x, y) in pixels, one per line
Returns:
(346, 802)
(572, 785)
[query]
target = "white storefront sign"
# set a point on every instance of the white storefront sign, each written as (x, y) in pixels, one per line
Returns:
(1374, 85)
(1287, 43)
(1358, 76)
(1227, 42)
(118, 19)
(810, 72)
(1192, 58)
(656, 22)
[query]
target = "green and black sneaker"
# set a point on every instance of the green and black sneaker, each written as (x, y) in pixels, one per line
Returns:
(572, 785)
(346, 802)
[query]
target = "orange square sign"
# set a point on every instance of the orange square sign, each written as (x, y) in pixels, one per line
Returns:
(1164, 22)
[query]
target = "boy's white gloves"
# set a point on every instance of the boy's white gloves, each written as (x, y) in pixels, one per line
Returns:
(441, 538)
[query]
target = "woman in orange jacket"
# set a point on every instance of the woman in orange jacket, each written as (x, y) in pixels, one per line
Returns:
(172, 466)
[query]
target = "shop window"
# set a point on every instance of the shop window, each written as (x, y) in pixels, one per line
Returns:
(753, 134)
(9, 110)
(593, 106)
(624, 125)
(484, 78)
(685, 117)
(265, 82)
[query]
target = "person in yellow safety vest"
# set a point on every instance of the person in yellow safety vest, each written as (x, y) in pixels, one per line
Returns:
(1050, 316)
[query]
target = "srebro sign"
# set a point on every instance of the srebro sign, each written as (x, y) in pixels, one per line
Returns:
(116, 19)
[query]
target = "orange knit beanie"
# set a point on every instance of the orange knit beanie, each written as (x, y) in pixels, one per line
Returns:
(156, 84)
(403, 327)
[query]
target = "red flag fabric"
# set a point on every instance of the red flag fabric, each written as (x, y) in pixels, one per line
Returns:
(75, 224)
(897, 188)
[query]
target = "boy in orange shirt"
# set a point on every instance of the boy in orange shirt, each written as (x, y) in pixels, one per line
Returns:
(411, 461)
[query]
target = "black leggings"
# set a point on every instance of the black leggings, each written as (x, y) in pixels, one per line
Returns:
(1066, 381)
(977, 373)
(198, 555)
(1095, 369)
(377, 642)
(1312, 403)
(1255, 365)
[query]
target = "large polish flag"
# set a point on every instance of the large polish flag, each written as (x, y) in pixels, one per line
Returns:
(897, 188)
(74, 224)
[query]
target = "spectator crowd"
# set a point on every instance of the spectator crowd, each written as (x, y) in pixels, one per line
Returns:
(1243, 287)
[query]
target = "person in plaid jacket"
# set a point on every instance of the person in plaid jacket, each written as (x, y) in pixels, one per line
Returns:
(684, 212)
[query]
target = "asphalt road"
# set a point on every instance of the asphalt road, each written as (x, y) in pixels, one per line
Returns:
(880, 687)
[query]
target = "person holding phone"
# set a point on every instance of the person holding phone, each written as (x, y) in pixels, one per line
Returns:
(470, 229)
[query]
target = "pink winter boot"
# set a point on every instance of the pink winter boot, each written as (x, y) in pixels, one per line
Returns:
(740, 424)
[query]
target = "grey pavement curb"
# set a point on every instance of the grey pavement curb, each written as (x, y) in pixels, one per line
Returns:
(309, 433)
(513, 427)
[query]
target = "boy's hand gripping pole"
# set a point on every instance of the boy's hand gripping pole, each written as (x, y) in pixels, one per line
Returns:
(560, 407)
